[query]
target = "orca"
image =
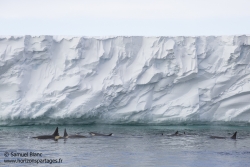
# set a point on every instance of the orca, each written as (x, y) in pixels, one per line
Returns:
(54, 136)
(66, 136)
(218, 137)
(234, 136)
(177, 134)
(98, 134)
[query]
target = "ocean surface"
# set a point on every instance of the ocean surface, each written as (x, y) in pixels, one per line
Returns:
(130, 145)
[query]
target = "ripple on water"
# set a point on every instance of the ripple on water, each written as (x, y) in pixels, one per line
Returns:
(133, 146)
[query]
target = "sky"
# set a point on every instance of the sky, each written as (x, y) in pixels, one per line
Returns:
(125, 17)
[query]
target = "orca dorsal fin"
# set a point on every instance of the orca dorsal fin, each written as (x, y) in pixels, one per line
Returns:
(56, 132)
(65, 133)
(234, 136)
(176, 133)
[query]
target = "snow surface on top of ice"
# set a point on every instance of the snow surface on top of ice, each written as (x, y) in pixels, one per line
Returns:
(45, 79)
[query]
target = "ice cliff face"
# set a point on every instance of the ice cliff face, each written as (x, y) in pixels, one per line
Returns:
(46, 79)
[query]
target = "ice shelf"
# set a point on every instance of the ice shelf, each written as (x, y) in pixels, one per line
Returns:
(124, 79)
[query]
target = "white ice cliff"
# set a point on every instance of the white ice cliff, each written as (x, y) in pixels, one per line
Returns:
(46, 79)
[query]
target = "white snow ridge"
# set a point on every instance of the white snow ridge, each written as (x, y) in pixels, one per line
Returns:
(151, 80)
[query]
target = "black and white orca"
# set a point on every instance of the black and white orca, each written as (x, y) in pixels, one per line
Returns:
(218, 137)
(54, 136)
(177, 134)
(66, 136)
(98, 134)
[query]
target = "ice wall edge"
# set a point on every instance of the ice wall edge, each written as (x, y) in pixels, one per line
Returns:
(124, 79)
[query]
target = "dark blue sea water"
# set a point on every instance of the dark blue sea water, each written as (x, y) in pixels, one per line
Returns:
(129, 146)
